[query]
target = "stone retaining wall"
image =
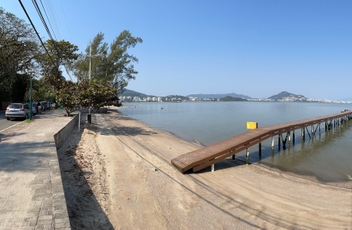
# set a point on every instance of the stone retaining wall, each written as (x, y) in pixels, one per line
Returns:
(61, 136)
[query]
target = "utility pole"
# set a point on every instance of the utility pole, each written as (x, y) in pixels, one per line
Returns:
(30, 94)
(30, 99)
(90, 61)
(90, 73)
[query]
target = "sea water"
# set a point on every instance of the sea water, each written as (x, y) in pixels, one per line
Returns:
(327, 156)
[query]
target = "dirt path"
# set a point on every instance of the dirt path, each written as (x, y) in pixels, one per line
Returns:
(136, 187)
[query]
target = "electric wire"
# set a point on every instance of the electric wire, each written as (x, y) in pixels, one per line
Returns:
(40, 39)
(48, 5)
(62, 7)
(43, 20)
(68, 73)
(49, 33)
(48, 19)
(47, 30)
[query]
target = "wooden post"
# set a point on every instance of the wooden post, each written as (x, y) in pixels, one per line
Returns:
(260, 151)
(247, 156)
(284, 141)
(293, 137)
(212, 168)
(279, 142)
(272, 142)
(233, 156)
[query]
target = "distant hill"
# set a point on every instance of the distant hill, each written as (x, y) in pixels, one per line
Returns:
(229, 98)
(235, 95)
(284, 95)
(132, 93)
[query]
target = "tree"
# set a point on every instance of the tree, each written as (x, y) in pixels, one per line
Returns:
(19, 87)
(96, 93)
(61, 53)
(109, 63)
(85, 93)
(18, 50)
(67, 95)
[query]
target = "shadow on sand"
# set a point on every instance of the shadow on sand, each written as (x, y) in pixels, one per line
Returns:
(84, 210)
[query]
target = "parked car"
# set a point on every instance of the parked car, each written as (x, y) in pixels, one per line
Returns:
(44, 105)
(17, 110)
(34, 109)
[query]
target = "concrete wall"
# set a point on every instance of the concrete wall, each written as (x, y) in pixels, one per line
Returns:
(62, 135)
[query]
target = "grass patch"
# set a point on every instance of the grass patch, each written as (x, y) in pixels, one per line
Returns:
(28, 121)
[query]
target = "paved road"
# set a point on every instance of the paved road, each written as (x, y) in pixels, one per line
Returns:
(5, 123)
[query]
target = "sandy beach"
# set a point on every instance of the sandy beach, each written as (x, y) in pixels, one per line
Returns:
(117, 174)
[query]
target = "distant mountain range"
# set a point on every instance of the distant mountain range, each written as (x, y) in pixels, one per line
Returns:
(132, 93)
(284, 95)
(235, 95)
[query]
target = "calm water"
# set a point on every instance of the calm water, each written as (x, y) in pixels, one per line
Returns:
(328, 157)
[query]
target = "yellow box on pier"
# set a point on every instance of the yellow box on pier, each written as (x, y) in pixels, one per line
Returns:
(252, 125)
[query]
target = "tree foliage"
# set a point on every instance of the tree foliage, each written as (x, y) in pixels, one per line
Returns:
(61, 53)
(96, 93)
(18, 50)
(21, 57)
(67, 95)
(109, 62)
(86, 94)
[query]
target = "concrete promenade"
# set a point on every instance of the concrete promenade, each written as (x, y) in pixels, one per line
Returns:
(31, 191)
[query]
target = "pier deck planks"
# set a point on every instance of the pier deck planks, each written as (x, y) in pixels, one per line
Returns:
(204, 157)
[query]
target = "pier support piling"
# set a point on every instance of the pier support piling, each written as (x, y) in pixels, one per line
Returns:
(303, 134)
(272, 142)
(260, 151)
(247, 156)
(308, 133)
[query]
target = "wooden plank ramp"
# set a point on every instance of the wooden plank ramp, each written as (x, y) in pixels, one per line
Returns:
(204, 157)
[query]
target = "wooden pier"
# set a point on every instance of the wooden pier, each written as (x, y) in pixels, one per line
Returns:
(208, 156)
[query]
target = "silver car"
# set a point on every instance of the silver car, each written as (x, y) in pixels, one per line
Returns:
(17, 110)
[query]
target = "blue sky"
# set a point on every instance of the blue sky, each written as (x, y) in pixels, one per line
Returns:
(257, 48)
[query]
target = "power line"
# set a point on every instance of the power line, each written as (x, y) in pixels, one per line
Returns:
(63, 11)
(53, 17)
(25, 11)
(44, 22)
(48, 19)
(47, 29)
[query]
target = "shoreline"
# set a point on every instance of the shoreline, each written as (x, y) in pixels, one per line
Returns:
(128, 173)
(342, 184)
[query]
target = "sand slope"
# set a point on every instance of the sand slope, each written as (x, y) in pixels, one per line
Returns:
(127, 166)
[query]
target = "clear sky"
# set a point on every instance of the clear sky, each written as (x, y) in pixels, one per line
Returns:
(253, 47)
